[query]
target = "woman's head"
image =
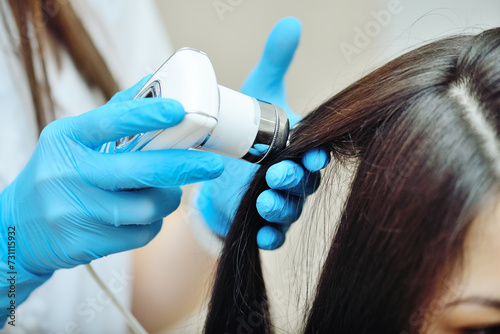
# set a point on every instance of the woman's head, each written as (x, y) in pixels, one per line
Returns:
(423, 131)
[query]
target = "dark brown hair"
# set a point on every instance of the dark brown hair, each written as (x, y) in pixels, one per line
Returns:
(423, 132)
(41, 22)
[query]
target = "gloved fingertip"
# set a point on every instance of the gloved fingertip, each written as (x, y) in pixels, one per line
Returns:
(274, 176)
(290, 28)
(316, 159)
(173, 111)
(276, 209)
(136, 88)
(265, 204)
(269, 238)
(285, 174)
(173, 197)
(215, 166)
(153, 112)
(130, 93)
(281, 45)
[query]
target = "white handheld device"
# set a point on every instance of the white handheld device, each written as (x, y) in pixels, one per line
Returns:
(217, 119)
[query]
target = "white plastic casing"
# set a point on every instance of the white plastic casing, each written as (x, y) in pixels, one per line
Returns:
(188, 77)
(217, 119)
(239, 117)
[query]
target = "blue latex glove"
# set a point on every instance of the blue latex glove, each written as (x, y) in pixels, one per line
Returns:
(289, 182)
(68, 206)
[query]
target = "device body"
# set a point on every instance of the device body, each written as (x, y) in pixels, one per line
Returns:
(217, 119)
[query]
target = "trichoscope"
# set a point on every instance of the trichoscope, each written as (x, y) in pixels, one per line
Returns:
(218, 119)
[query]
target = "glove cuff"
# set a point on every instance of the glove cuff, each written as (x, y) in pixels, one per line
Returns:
(16, 283)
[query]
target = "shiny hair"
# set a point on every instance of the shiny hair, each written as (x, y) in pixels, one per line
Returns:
(423, 132)
(42, 22)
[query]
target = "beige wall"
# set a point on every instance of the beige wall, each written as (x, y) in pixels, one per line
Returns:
(233, 37)
(234, 40)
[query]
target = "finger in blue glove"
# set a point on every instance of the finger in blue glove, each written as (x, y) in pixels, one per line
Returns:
(269, 238)
(130, 93)
(265, 82)
(278, 207)
(316, 159)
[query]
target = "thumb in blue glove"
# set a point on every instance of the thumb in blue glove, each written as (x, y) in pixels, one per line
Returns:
(266, 81)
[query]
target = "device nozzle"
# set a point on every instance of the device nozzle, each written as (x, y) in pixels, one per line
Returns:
(272, 133)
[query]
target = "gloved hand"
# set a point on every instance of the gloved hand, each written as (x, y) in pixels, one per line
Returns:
(289, 182)
(71, 204)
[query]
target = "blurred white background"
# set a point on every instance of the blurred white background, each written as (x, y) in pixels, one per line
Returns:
(233, 32)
